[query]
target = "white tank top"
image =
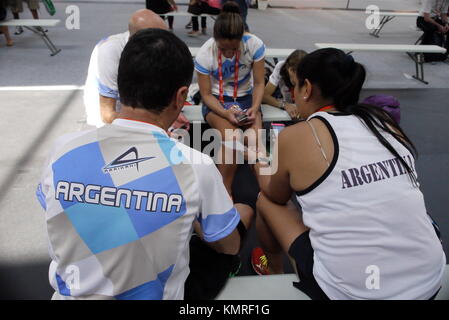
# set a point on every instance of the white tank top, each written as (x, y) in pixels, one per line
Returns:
(369, 228)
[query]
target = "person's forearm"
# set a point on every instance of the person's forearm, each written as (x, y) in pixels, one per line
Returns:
(272, 101)
(214, 104)
(107, 109)
(229, 245)
(430, 20)
(258, 92)
(107, 116)
(262, 180)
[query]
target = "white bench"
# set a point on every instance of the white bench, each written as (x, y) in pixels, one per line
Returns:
(269, 53)
(387, 17)
(186, 14)
(35, 25)
(280, 287)
(270, 114)
(273, 287)
(273, 53)
(415, 52)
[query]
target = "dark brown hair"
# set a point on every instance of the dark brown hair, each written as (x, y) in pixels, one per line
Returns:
(149, 55)
(340, 79)
(292, 63)
(229, 24)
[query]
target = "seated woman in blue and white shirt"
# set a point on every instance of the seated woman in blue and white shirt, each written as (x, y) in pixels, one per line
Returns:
(230, 69)
(283, 77)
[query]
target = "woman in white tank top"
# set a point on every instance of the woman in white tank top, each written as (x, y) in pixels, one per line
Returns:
(362, 231)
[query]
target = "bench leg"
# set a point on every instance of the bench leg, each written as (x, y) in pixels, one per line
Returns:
(418, 58)
(417, 42)
(39, 31)
(383, 22)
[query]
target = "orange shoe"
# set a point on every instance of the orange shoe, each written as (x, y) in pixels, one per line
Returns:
(259, 262)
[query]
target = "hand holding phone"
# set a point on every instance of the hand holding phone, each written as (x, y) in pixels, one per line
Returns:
(242, 117)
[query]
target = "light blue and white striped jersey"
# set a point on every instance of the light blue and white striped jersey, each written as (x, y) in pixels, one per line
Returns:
(120, 202)
(252, 49)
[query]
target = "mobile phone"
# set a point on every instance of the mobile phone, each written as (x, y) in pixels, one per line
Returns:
(242, 117)
(277, 128)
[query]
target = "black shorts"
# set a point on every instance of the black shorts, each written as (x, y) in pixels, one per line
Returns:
(302, 252)
(209, 270)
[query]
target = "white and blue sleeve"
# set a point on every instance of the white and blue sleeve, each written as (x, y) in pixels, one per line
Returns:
(108, 60)
(257, 48)
(217, 216)
(204, 57)
(275, 77)
(203, 62)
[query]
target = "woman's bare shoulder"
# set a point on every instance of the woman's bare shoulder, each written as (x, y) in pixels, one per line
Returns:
(299, 137)
(294, 133)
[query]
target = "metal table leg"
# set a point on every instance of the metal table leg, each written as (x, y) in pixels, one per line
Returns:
(418, 58)
(383, 22)
(419, 39)
(39, 31)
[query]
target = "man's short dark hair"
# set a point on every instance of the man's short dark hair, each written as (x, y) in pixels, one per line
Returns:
(153, 66)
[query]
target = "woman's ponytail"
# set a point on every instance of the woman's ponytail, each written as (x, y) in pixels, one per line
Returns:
(340, 79)
(229, 24)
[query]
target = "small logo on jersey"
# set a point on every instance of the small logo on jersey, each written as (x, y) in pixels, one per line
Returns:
(120, 163)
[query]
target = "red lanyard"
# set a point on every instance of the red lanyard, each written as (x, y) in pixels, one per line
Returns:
(326, 108)
(220, 76)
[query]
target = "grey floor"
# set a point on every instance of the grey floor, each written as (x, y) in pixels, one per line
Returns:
(32, 119)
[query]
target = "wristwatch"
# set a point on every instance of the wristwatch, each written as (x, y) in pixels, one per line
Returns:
(263, 160)
(282, 105)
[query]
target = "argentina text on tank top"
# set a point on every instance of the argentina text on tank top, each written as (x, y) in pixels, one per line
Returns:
(360, 212)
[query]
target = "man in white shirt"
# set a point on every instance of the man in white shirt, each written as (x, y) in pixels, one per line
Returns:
(101, 98)
(433, 18)
(121, 200)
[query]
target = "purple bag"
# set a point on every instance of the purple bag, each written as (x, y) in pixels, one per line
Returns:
(388, 103)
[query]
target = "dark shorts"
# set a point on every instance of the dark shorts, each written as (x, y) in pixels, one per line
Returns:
(210, 270)
(302, 252)
(245, 103)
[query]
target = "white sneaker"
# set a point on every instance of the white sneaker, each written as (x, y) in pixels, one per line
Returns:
(19, 30)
